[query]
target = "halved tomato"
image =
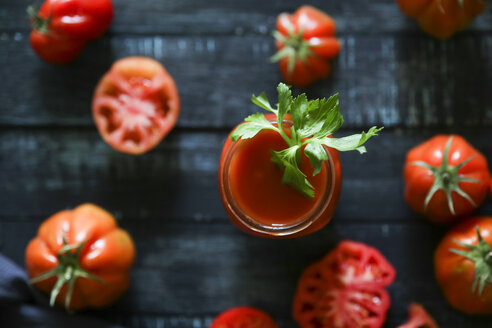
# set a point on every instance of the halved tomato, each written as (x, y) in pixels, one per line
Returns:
(354, 263)
(135, 105)
(345, 289)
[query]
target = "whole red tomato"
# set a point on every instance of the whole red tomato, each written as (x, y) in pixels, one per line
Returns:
(463, 266)
(305, 41)
(243, 317)
(135, 105)
(419, 318)
(442, 18)
(445, 178)
(81, 257)
(62, 27)
(345, 289)
(55, 47)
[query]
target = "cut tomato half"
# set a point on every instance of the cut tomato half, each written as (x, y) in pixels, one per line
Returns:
(320, 303)
(345, 289)
(135, 105)
(354, 263)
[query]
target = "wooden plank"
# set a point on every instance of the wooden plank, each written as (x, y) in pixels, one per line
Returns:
(45, 170)
(195, 271)
(396, 81)
(237, 17)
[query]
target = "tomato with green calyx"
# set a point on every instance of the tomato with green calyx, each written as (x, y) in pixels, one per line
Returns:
(62, 27)
(81, 258)
(419, 318)
(305, 42)
(442, 18)
(463, 266)
(445, 178)
(243, 317)
(135, 105)
(345, 289)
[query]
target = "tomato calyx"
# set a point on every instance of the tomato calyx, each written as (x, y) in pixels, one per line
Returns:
(67, 271)
(481, 255)
(447, 178)
(38, 22)
(294, 48)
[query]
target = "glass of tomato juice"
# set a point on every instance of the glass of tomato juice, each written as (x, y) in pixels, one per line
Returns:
(259, 203)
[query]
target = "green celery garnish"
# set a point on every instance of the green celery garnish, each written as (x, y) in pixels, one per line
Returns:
(313, 121)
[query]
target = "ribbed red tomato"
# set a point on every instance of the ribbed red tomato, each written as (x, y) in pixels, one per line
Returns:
(305, 41)
(81, 257)
(445, 178)
(463, 266)
(345, 289)
(135, 105)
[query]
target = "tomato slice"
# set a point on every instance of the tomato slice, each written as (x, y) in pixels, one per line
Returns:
(345, 289)
(419, 318)
(243, 317)
(353, 263)
(135, 105)
(320, 303)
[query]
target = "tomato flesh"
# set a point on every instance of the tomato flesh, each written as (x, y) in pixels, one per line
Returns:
(345, 292)
(256, 182)
(357, 264)
(135, 105)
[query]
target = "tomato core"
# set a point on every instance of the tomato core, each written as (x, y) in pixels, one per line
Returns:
(256, 183)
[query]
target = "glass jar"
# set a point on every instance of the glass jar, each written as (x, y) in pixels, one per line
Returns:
(318, 215)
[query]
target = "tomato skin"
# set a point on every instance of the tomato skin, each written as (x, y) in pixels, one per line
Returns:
(135, 105)
(345, 289)
(78, 19)
(419, 318)
(61, 28)
(419, 180)
(55, 48)
(442, 18)
(314, 42)
(243, 317)
(455, 273)
(108, 253)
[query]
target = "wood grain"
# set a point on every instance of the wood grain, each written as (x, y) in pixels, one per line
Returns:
(43, 171)
(237, 17)
(193, 263)
(395, 81)
(197, 270)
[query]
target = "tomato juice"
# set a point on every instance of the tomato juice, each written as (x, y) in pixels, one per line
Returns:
(256, 182)
(257, 200)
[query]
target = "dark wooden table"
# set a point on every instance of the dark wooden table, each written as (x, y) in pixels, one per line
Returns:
(192, 262)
